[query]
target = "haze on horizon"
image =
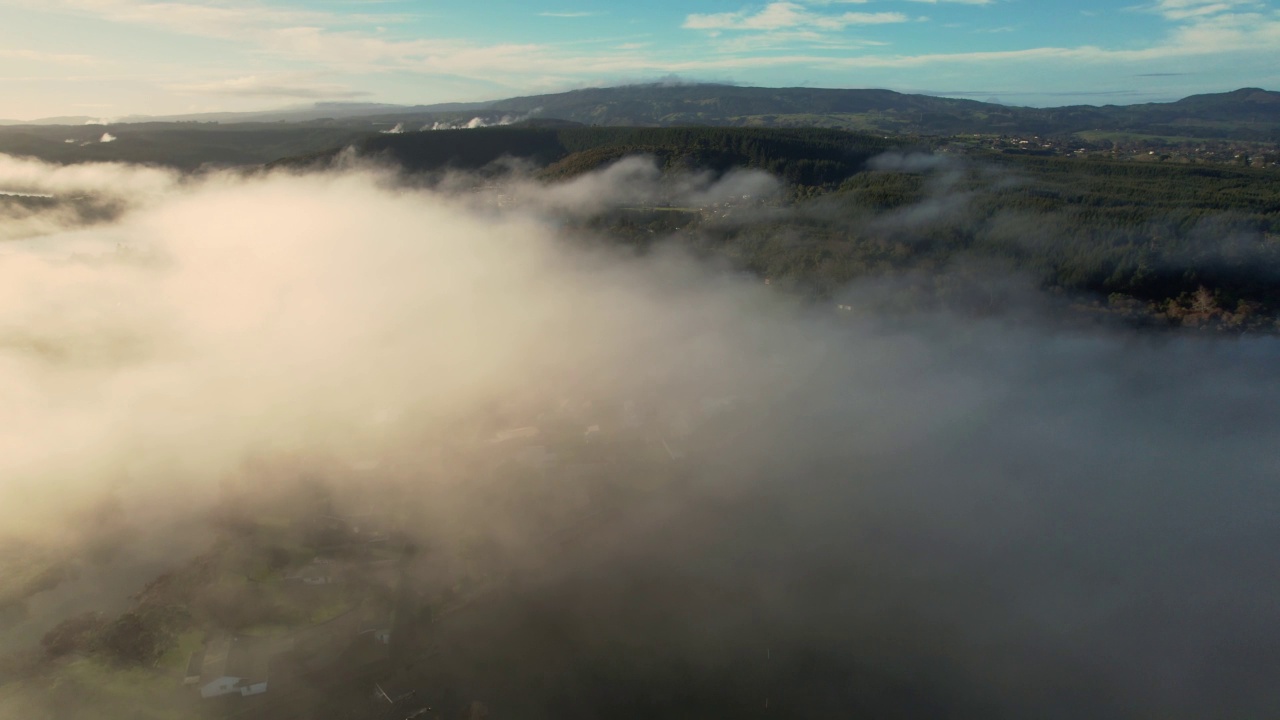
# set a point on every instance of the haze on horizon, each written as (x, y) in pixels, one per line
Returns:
(113, 58)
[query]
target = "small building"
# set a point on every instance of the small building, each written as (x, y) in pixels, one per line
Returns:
(235, 666)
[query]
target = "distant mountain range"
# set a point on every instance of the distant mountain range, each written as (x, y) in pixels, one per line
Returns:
(1248, 113)
(239, 139)
(1244, 114)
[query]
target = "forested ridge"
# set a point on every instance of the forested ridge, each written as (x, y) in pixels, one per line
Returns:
(1178, 245)
(1168, 243)
(1187, 245)
(802, 157)
(186, 146)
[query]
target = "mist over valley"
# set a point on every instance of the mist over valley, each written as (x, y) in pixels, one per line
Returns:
(673, 400)
(538, 462)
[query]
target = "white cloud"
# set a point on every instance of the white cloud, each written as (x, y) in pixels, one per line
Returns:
(46, 57)
(129, 184)
(1203, 27)
(775, 36)
(1187, 9)
(788, 39)
(785, 15)
(190, 18)
(340, 42)
(268, 86)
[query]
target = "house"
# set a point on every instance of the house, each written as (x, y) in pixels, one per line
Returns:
(235, 666)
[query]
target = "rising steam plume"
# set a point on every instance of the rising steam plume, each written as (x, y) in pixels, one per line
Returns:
(931, 517)
(481, 121)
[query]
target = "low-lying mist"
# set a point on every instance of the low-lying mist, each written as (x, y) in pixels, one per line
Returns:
(831, 513)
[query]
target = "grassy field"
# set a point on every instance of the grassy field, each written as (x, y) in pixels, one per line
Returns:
(1093, 136)
(84, 688)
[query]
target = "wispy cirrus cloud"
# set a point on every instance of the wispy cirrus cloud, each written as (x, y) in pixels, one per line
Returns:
(194, 18)
(1200, 28)
(281, 86)
(787, 16)
(46, 57)
(341, 42)
(783, 40)
(780, 38)
(1191, 9)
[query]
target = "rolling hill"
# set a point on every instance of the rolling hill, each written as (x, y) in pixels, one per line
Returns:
(1247, 114)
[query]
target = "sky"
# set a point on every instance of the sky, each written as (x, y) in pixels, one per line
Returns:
(114, 58)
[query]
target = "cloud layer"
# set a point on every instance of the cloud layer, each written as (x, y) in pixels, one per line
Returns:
(990, 514)
(1002, 516)
(247, 54)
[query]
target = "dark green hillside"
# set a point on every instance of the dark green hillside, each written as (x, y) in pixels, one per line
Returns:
(1186, 245)
(1245, 114)
(464, 149)
(808, 157)
(185, 146)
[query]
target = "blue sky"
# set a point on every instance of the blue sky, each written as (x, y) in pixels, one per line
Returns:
(109, 58)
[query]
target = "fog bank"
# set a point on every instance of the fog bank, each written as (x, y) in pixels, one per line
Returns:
(937, 516)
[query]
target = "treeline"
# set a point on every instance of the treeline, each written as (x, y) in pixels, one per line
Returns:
(182, 145)
(803, 157)
(1166, 244)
